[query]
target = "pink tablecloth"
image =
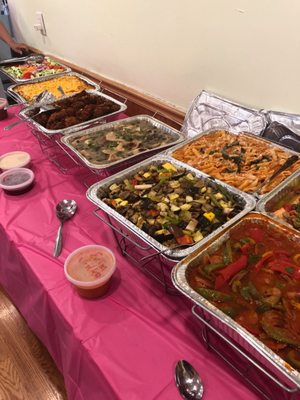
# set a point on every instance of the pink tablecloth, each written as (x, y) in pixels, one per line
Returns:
(122, 346)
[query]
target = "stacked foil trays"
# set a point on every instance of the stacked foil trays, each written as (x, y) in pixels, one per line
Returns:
(209, 111)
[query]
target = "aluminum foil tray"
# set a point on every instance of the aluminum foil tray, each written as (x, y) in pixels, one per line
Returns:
(267, 204)
(290, 152)
(21, 99)
(25, 59)
(209, 111)
(173, 133)
(223, 323)
(25, 114)
(247, 201)
(291, 121)
(280, 133)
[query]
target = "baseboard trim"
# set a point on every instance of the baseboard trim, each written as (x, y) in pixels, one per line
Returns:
(137, 102)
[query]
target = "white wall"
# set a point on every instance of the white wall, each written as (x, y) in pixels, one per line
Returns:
(246, 50)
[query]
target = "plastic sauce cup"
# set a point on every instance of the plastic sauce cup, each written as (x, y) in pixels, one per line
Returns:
(90, 269)
(14, 159)
(16, 180)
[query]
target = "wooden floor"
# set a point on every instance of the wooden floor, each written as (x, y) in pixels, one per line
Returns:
(27, 371)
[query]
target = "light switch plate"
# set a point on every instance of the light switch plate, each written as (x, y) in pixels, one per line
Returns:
(40, 23)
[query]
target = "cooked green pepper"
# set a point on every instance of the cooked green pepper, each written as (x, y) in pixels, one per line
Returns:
(213, 295)
(293, 358)
(228, 310)
(209, 268)
(227, 255)
(215, 201)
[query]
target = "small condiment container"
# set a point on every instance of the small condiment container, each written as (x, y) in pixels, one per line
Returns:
(17, 180)
(90, 269)
(3, 111)
(14, 159)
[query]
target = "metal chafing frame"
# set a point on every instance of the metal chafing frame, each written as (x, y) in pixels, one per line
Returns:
(207, 328)
(153, 264)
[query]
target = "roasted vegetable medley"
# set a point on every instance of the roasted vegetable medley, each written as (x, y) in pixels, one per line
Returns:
(171, 204)
(254, 277)
(121, 141)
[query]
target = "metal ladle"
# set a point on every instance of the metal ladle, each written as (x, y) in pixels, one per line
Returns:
(188, 381)
(65, 209)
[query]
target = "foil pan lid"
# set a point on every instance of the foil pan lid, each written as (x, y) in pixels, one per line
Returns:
(290, 121)
(209, 111)
(280, 133)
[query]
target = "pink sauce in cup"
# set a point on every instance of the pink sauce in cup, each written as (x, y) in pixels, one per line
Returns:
(90, 269)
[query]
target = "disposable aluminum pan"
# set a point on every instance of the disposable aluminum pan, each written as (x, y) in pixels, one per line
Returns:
(223, 323)
(246, 201)
(176, 136)
(25, 113)
(5, 63)
(209, 111)
(267, 204)
(11, 89)
(290, 152)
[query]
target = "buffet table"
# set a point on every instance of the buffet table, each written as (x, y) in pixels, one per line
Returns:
(121, 346)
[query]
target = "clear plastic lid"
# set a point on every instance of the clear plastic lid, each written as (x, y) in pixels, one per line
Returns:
(94, 261)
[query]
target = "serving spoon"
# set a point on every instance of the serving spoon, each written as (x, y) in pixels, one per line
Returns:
(188, 381)
(65, 209)
(32, 58)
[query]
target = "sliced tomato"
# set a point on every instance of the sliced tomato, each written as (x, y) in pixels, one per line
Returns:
(26, 75)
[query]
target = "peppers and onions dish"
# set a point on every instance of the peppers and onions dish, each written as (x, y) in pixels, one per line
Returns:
(254, 277)
(171, 204)
(122, 141)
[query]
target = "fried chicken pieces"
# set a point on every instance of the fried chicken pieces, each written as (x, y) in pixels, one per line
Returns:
(74, 110)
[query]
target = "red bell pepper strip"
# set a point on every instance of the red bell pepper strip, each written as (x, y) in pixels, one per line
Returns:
(285, 267)
(224, 275)
(263, 261)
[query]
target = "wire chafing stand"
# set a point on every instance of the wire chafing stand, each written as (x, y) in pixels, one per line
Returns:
(143, 256)
(250, 370)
